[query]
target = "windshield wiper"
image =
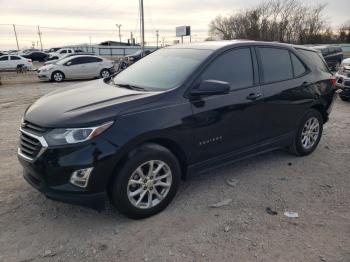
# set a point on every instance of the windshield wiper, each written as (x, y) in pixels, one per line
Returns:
(131, 87)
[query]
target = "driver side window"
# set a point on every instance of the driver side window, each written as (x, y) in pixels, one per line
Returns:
(234, 66)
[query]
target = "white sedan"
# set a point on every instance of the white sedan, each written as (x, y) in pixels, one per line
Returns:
(77, 67)
(10, 62)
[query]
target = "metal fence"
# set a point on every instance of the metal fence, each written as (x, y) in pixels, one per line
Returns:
(110, 51)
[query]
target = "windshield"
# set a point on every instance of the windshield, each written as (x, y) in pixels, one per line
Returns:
(162, 70)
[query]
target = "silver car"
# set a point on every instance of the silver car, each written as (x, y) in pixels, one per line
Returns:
(77, 67)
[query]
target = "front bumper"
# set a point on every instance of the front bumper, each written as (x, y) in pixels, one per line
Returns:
(343, 83)
(45, 76)
(50, 172)
(92, 200)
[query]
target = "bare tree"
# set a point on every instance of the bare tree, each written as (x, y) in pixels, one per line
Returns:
(274, 20)
(344, 33)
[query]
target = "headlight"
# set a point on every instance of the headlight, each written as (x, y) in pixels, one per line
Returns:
(49, 67)
(62, 136)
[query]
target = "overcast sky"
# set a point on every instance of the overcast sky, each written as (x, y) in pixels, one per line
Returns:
(97, 19)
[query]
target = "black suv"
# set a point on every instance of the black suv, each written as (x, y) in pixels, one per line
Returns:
(180, 110)
(333, 55)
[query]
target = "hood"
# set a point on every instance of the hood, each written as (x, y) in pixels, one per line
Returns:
(50, 62)
(86, 104)
(47, 66)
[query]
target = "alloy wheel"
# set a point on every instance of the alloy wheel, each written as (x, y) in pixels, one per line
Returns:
(310, 133)
(105, 74)
(149, 184)
(58, 77)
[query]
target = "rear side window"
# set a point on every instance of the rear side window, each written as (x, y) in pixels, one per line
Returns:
(299, 68)
(234, 67)
(15, 58)
(315, 58)
(93, 60)
(276, 64)
(78, 61)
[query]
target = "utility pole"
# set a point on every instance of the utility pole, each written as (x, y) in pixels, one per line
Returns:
(131, 39)
(14, 29)
(120, 37)
(157, 34)
(39, 33)
(142, 27)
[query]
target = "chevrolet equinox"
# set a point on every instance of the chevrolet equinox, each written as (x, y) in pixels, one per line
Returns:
(131, 138)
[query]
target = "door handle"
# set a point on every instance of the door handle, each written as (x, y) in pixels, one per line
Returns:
(254, 96)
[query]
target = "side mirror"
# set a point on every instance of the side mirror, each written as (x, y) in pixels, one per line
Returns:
(69, 63)
(210, 88)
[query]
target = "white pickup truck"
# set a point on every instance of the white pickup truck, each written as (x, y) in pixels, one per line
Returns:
(61, 52)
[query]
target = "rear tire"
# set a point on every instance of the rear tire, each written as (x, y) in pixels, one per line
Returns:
(105, 73)
(308, 134)
(138, 192)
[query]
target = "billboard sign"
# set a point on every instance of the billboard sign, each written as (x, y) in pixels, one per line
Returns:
(183, 31)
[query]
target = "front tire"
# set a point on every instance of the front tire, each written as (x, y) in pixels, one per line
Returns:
(57, 76)
(308, 134)
(146, 183)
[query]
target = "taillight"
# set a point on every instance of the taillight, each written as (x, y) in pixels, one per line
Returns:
(29, 60)
(333, 81)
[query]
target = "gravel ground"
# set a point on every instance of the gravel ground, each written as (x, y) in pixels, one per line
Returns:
(33, 228)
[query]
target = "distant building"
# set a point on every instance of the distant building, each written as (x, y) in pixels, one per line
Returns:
(115, 43)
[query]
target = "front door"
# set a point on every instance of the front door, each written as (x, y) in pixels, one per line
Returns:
(77, 68)
(225, 124)
(4, 62)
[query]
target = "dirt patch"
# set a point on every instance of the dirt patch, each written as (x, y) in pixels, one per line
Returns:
(33, 228)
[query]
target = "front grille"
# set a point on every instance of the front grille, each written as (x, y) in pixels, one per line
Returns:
(29, 146)
(32, 128)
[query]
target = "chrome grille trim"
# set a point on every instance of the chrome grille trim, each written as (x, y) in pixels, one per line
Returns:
(24, 143)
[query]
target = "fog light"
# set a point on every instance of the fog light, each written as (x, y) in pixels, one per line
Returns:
(81, 177)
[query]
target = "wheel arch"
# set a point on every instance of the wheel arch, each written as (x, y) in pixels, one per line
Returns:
(322, 110)
(167, 143)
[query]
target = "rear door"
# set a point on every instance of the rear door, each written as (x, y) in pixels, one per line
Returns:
(93, 66)
(14, 61)
(232, 122)
(285, 84)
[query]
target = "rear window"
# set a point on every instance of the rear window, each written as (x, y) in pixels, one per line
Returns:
(276, 64)
(315, 58)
